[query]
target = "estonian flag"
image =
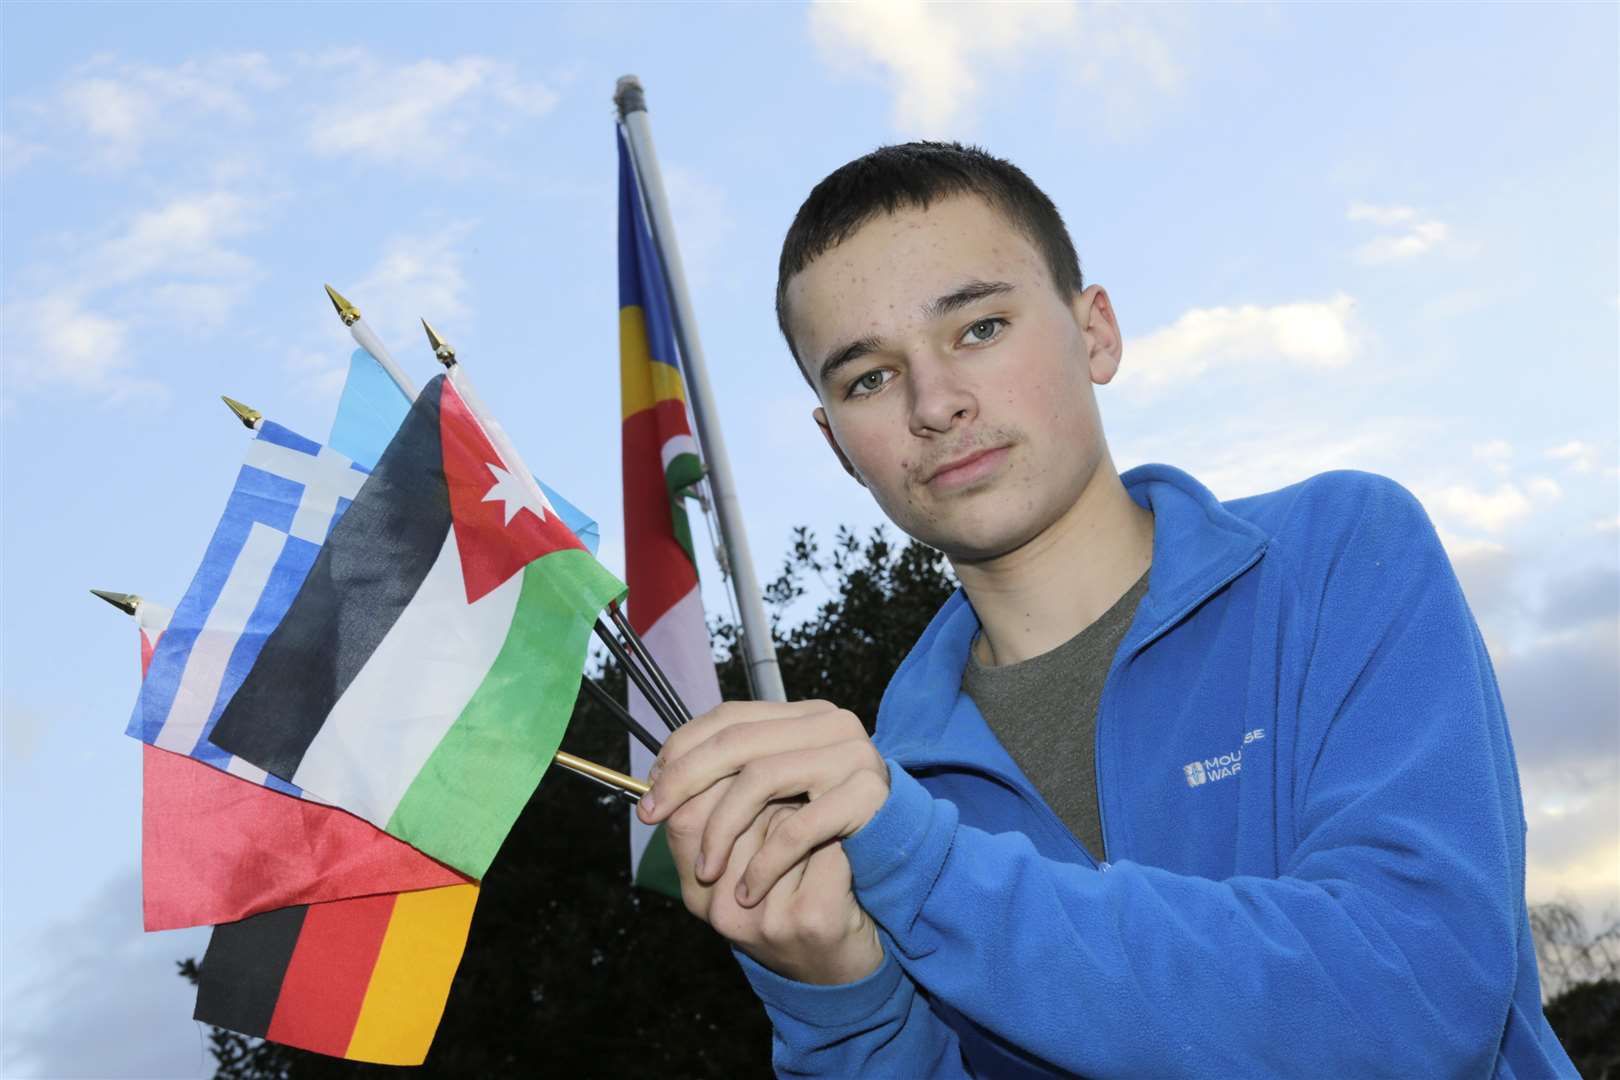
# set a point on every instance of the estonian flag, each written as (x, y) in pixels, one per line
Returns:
(425, 671)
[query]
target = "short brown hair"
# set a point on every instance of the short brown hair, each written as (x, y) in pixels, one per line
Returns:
(914, 175)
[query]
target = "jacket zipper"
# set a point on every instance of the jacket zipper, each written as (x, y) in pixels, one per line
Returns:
(1112, 677)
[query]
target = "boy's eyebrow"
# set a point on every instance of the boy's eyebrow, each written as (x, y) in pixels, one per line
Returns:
(962, 297)
(954, 300)
(846, 353)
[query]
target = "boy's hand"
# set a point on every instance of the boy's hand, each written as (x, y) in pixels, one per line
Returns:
(808, 927)
(716, 775)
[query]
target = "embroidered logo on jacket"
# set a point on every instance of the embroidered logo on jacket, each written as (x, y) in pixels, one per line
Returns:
(1210, 769)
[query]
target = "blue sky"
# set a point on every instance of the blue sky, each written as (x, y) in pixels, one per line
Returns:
(1379, 237)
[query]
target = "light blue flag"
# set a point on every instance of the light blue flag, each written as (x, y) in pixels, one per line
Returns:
(371, 410)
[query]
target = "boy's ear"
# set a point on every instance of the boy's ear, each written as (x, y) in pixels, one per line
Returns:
(1095, 314)
(820, 415)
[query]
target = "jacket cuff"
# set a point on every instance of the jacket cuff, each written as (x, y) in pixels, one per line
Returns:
(896, 856)
(844, 1005)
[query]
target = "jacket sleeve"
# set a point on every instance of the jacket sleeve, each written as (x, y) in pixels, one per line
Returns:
(877, 1027)
(1385, 947)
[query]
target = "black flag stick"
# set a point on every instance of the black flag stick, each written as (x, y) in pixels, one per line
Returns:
(657, 673)
(666, 711)
(631, 724)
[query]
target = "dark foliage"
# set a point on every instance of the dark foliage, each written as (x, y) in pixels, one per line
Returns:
(570, 972)
(1587, 1020)
(1580, 977)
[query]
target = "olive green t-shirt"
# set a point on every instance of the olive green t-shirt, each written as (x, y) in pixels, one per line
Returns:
(1044, 712)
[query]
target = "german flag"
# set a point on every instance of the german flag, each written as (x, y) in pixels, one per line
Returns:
(364, 978)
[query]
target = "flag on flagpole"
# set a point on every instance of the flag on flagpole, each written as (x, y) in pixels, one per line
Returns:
(660, 461)
(424, 674)
(364, 979)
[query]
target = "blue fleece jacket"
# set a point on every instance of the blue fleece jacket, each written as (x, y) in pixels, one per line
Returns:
(1310, 797)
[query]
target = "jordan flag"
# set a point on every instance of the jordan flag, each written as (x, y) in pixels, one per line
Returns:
(425, 671)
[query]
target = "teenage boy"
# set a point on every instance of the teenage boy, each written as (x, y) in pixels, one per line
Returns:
(1171, 786)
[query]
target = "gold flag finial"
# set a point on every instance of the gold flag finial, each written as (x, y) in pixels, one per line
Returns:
(443, 351)
(346, 311)
(248, 415)
(123, 601)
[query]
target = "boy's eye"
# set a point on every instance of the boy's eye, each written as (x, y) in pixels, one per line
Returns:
(869, 382)
(984, 330)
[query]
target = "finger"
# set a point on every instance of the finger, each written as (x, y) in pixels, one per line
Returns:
(809, 772)
(728, 750)
(722, 716)
(833, 816)
(684, 833)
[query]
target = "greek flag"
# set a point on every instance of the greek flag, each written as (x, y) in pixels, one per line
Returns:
(288, 495)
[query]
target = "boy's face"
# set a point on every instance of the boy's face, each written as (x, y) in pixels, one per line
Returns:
(955, 383)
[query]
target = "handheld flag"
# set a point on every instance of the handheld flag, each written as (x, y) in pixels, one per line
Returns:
(364, 979)
(215, 848)
(287, 495)
(424, 674)
(660, 462)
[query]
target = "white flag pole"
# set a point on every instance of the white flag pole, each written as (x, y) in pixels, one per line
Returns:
(764, 674)
(367, 340)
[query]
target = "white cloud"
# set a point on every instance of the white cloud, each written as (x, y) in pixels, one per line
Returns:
(185, 236)
(1497, 453)
(54, 339)
(1415, 235)
(939, 58)
(16, 154)
(417, 276)
(1491, 511)
(1310, 334)
(1579, 456)
(120, 107)
(170, 265)
(417, 112)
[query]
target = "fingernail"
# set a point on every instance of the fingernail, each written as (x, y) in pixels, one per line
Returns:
(647, 802)
(699, 867)
(742, 892)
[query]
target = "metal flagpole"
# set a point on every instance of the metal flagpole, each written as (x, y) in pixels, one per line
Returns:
(764, 673)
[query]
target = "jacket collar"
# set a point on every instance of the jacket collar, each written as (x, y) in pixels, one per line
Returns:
(1198, 546)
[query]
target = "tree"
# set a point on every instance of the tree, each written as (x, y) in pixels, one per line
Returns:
(1580, 985)
(570, 972)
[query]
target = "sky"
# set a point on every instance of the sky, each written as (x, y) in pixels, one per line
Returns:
(1375, 237)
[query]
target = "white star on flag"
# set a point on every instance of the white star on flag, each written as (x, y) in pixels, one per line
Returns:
(516, 495)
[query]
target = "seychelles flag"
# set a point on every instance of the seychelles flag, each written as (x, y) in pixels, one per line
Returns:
(660, 462)
(424, 674)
